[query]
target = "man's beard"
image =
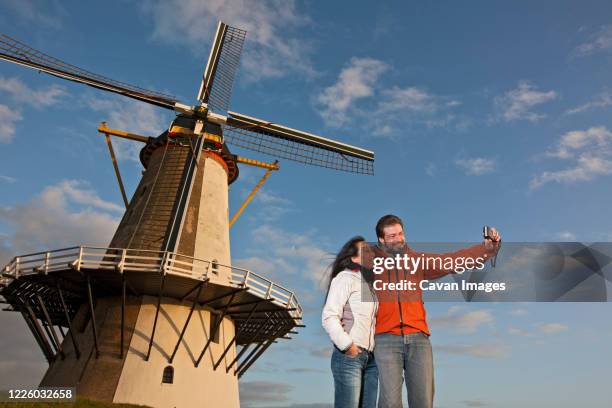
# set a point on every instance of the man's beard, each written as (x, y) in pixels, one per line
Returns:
(396, 248)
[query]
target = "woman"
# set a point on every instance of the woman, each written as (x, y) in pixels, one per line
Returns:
(349, 317)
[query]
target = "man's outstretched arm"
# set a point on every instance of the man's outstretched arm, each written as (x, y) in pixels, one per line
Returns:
(439, 265)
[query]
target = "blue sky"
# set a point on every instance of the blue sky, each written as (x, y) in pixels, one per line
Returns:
(479, 113)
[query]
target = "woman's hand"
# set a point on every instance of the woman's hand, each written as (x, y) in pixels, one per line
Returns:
(352, 351)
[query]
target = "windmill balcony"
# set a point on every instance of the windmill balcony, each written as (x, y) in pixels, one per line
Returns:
(39, 274)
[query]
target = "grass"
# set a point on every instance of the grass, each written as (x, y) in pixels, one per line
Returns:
(81, 403)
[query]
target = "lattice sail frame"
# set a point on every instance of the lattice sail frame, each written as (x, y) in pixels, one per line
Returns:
(261, 141)
(280, 141)
(216, 92)
(22, 54)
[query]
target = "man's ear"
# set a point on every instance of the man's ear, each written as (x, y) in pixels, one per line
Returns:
(382, 241)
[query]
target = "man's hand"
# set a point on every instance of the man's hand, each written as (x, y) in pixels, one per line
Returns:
(493, 240)
(352, 351)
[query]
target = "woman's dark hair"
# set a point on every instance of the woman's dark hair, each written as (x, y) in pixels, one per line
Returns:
(343, 258)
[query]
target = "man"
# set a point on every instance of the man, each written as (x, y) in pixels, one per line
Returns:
(402, 348)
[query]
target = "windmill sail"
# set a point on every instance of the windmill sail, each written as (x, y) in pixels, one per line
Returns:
(215, 93)
(220, 71)
(279, 141)
(22, 54)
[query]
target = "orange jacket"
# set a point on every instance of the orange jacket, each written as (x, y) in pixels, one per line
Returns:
(403, 311)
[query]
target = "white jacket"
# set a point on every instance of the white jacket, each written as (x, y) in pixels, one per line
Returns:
(347, 316)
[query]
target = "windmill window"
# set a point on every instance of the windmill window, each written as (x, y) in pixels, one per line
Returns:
(214, 321)
(168, 376)
(215, 267)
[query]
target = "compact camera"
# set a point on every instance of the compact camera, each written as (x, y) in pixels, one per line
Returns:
(487, 234)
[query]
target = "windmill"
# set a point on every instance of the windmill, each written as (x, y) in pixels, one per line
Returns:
(161, 317)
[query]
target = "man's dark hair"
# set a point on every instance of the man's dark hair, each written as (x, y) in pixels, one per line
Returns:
(386, 221)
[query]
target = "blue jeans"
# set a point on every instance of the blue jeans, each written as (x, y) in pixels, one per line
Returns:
(411, 356)
(355, 380)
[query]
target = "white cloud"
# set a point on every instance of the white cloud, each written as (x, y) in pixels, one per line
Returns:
(271, 49)
(131, 116)
(401, 108)
(570, 142)
(7, 179)
(468, 322)
(589, 153)
(78, 192)
(6, 251)
(586, 168)
(513, 331)
(601, 101)
(553, 328)
(271, 205)
(410, 99)
(549, 328)
(303, 370)
(263, 391)
(475, 403)
(524, 257)
(64, 214)
(8, 118)
(476, 166)
(359, 99)
(517, 103)
(39, 12)
(37, 98)
(430, 169)
(22, 364)
(320, 352)
(22, 94)
(268, 197)
(598, 41)
(485, 350)
(280, 252)
(356, 81)
(518, 312)
(566, 236)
